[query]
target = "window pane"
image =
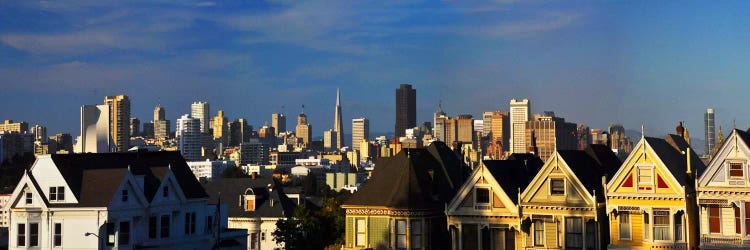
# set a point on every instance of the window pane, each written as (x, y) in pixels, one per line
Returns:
(624, 225)
(152, 227)
(34, 234)
(165, 226)
(60, 193)
(110, 234)
(483, 195)
(21, 240)
(661, 225)
(58, 235)
(557, 187)
(735, 170)
(574, 233)
(124, 236)
(714, 219)
(539, 233)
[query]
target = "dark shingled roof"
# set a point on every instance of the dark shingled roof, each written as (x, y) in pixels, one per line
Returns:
(606, 159)
(232, 189)
(514, 173)
(412, 179)
(670, 150)
(742, 134)
(94, 178)
(586, 169)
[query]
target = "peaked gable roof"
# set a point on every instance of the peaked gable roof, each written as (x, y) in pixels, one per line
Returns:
(412, 179)
(94, 178)
(742, 141)
(587, 169)
(605, 157)
(232, 188)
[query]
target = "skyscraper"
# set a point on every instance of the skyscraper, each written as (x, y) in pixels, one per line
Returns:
(201, 110)
(135, 126)
(487, 123)
(329, 140)
(119, 109)
(303, 130)
(188, 137)
(161, 125)
(549, 133)
(439, 119)
(278, 122)
(239, 131)
(40, 133)
(710, 130)
(519, 115)
(95, 136)
(360, 131)
(406, 109)
(338, 125)
(220, 127)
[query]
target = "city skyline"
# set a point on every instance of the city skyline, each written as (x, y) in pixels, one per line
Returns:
(592, 63)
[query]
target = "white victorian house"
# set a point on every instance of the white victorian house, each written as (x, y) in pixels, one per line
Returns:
(115, 201)
(724, 196)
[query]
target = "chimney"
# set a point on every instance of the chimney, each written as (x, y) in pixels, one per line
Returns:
(254, 175)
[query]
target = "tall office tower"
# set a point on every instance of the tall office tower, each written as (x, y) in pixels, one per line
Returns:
(254, 152)
(239, 131)
(278, 122)
(267, 135)
(338, 124)
(201, 111)
(18, 127)
(548, 133)
(583, 134)
(148, 129)
(500, 130)
(188, 135)
(599, 137)
(487, 123)
(40, 133)
(220, 127)
(64, 141)
(329, 140)
(619, 142)
(95, 136)
(119, 109)
(710, 131)
(406, 109)
(161, 125)
(439, 120)
(360, 131)
(464, 129)
(303, 130)
(519, 115)
(135, 126)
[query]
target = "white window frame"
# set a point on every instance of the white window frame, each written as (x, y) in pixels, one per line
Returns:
(544, 235)
(619, 226)
(397, 234)
(558, 178)
(669, 226)
(54, 234)
(29, 198)
(418, 244)
(638, 182)
(581, 233)
(119, 233)
(357, 221)
(729, 170)
(481, 205)
(56, 191)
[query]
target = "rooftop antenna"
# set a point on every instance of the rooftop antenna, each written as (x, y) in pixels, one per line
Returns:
(303, 108)
(642, 133)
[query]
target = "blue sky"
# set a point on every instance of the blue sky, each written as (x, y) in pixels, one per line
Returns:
(634, 62)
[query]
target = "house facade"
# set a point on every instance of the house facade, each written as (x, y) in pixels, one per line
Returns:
(261, 204)
(484, 214)
(114, 201)
(646, 198)
(724, 196)
(402, 206)
(560, 208)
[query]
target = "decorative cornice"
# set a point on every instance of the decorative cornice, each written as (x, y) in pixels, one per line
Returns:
(390, 212)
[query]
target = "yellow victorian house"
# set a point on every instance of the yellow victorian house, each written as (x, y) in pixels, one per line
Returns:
(560, 208)
(724, 196)
(646, 198)
(484, 212)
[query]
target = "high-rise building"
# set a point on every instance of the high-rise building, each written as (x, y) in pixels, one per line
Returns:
(546, 134)
(95, 135)
(406, 109)
(710, 131)
(239, 131)
(303, 130)
(519, 115)
(618, 141)
(500, 130)
(64, 142)
(135, 126)
(464, 129)
(278, 122)
(188, 135)
(18, 127)
(119, 109)
(360, 131)
(253, 152)
(267, 135)
(338, 124)
(599, 137)
(439, 121)
(148, 129)
(161, 125)
(220, 127)
(40, 133)
(487, 123)
(329, 140)
(201, 110)
(583, 133)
